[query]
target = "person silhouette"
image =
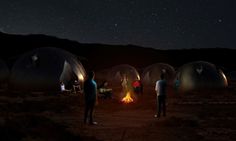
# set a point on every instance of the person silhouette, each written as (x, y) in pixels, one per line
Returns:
(124, 83)
(63, 88)
(177, 85)
(160, 88)
(90, 94)
(137, 86)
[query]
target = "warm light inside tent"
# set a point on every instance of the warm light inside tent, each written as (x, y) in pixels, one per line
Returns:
(81, 77)
(188, 81)
(138, 77)
(225, 79)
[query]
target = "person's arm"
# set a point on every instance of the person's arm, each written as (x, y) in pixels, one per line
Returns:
(157, 88)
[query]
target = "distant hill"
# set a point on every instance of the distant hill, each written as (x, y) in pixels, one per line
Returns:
(99, 56)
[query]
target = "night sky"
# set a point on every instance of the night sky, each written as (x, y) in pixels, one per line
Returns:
(160, 24)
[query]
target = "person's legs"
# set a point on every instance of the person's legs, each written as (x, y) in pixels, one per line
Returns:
(86, 110)
(164, 105)
(91, 112)
(159, 106)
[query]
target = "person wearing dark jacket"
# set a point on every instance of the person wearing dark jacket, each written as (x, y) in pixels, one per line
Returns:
(90, 94)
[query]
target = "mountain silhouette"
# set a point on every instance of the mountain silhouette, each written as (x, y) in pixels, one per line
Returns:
(100, 56)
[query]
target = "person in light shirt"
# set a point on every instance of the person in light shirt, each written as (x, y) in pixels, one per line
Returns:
(62, 87)
(160, 88)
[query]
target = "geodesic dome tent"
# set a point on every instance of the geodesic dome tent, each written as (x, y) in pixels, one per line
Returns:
(153, 72)
(118, 72)
(44, 68)
(4, 74)
(199, 75)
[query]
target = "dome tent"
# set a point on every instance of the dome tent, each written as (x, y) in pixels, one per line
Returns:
(117, 73)
(4, 74)
(43, 69)
(200, 74)
(153, 72)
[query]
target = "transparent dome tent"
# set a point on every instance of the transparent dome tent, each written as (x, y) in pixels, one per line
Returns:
(43, 69)
(200, 75)
(117, 73)
(153, 72)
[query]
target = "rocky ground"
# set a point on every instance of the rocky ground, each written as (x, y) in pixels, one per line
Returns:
(206, 116)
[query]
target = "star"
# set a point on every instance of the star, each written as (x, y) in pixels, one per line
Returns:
(220, 20)
(174, 21)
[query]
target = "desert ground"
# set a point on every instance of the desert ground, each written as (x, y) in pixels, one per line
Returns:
(191, 116)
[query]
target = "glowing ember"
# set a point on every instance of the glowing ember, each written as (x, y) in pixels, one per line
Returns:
(127, 98)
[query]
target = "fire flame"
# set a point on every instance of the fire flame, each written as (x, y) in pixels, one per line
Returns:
(127, 99)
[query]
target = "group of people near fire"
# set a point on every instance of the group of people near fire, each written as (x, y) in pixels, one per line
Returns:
(91, 97)
(160, 88)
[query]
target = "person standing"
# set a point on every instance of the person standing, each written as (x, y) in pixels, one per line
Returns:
(124, 84)
(137, 86)
(177, 85)
(90, 94)
(160, 88)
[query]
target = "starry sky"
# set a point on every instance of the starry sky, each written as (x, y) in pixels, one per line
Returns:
(159, 24)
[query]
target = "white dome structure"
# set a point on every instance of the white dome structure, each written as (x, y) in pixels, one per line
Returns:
(199, 75)
(44, 68)
(153, 72)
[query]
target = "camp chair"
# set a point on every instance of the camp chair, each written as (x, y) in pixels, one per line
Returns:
(105, 93)
(76, 88)
(64, 90)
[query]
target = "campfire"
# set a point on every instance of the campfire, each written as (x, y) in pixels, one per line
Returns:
(127, 99)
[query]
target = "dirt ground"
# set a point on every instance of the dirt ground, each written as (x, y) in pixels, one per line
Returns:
(207, 116)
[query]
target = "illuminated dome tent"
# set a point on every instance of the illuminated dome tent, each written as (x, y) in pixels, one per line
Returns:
(200, 74)
(118, 72)
(4, 73)
(153, 72)
(44, 68)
